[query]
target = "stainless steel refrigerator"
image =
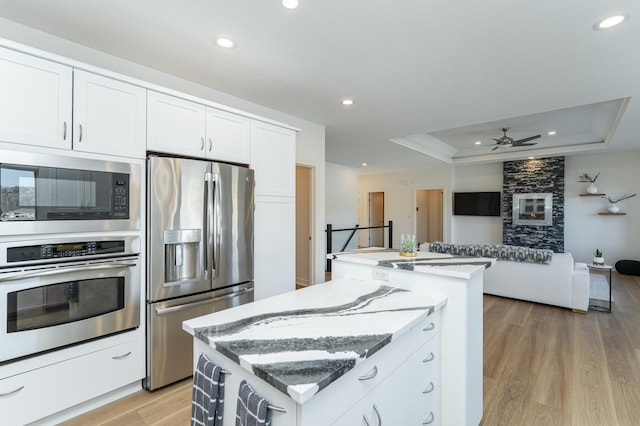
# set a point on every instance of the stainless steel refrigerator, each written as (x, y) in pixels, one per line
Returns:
(200, 254)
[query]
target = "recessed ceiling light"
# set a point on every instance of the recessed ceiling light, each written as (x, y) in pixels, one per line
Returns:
(364, 164)
(225, 43)
(532, 158)
(290, 4)
(551, 132)
(478, 142)
(610, 22)
(347, 102)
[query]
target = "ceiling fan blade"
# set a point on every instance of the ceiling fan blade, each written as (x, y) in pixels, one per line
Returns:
(525, 144)
(496, 147)
(519, 141)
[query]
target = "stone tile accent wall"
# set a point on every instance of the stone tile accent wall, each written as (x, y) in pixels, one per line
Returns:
(534, 176)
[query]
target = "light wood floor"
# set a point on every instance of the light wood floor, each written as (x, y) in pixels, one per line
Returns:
(542, 366)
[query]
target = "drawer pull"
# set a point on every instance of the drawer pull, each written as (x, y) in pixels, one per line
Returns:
(429, 388)
(121, 356)
(366, 421)
(375, 409)
(12, 392)
(429, 358)
(370, 375)
(430, 327)
(430, 419)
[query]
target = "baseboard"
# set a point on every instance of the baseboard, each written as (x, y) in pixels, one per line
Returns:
(579, 311)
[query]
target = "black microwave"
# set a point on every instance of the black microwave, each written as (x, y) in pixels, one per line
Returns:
(53, 189)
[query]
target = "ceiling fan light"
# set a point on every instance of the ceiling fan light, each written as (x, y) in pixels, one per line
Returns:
(610, 22)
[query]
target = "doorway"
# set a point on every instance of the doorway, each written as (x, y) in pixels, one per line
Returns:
(429, 215)
(376, 218)
(303, 226)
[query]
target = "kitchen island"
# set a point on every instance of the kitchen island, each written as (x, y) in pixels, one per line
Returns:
(338, 353)
(459, 279)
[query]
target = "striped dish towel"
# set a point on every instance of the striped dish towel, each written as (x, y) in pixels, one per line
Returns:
(253, 410)
(207, 399)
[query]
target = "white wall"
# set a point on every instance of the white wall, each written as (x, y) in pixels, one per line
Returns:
(341, 198)
(477, 229)
(400, 198)
(585, 230)
(310, 138)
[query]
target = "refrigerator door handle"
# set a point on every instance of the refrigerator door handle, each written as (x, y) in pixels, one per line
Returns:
(164, 311)
(207, 224)
(215, 223)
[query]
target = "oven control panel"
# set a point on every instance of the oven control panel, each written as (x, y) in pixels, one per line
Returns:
(64, 250)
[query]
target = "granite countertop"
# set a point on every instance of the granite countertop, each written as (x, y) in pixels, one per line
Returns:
(302, 341)
(426, 262)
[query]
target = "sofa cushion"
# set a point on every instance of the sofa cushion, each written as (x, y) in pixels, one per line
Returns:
(498, 251)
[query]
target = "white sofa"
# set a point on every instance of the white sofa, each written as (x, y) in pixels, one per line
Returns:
(559, 281)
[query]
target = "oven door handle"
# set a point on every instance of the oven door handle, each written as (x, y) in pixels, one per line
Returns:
(65, 270)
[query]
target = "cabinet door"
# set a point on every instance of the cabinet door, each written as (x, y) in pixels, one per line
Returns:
(228, 136)
(274, 246)
(109, 116)
(273, 157)
(175, 125)
(35, 101)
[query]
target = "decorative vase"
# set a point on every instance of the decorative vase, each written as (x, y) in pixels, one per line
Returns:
(408, 246)
(592, 188)
(613, 208)
(599, 261)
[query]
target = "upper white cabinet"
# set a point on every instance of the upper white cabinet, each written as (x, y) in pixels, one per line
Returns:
(273, 157)
(109, 116)
(35, 100)
(228, 136)
(179, 126)
(175, 125)
(36, 108)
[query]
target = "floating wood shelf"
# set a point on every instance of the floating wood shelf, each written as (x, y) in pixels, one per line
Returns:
(592, 195)
(611, 214)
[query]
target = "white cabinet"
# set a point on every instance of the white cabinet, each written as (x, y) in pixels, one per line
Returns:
(41, 392)
(228, 136)
(179, 126)
(35, 100)
(109, 116)
(274, 246)
(36, 108)
(175, 125)
(273, 157)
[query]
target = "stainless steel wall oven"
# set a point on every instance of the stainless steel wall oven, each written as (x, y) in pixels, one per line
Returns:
(62, 291)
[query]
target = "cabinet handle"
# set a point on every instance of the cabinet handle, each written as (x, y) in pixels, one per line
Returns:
(429, 388)
(80, 136)
(201, 144)
(430, 327)
(12, 392)
(366, 421)
(210, 144)
(370, 375)
(64, 131)
(429, 357)
(121, 356)
(430, 419)
(375, 409)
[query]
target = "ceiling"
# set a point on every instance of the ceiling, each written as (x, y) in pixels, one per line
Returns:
(429, 78)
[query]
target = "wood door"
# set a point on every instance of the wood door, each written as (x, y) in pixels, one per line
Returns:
(376, 218)
(429, 215)
(303, 226)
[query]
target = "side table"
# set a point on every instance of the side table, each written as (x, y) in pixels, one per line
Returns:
(599, 268)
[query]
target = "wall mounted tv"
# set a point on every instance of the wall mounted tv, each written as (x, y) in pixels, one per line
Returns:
(476, 203)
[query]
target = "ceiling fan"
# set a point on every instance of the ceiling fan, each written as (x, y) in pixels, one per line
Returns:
(506, 141)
